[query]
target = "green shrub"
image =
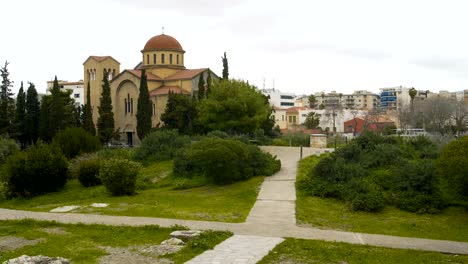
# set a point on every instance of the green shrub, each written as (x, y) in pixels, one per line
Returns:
(296, 139)
(364, 196)
(116, 153)
(41, 169)
(224, 161)
(279, 142)
(263, 163)
(218, 134)
(88, 172)
(381, 155)
(368, 140)
(161, 145)
(7, 148)
(453, 165)
(119, 176)
(75, 141)
(416, 187)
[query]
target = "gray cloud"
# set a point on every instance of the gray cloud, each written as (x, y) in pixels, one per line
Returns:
(187, 7)
(302, 47)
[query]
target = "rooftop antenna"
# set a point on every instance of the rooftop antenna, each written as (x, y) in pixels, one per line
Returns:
(273, 83)
(263, 83)
(163, 30)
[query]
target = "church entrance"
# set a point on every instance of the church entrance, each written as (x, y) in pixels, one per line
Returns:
(129, 139)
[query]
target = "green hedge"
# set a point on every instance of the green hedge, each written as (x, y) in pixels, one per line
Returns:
(224, 161)
(161, 145)
(453, 165)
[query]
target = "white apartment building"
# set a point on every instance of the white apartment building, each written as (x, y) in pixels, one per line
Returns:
(394, 98)
(361, 99)
(76, 88)
(279, 99)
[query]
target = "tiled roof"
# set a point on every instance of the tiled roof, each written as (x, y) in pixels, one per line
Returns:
(149, 75)
(166, 89)
(185, 74)
(100, 58)
(163, 42)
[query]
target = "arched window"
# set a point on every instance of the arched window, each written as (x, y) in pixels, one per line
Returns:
(131, 106)
(154, 109)
(177, 58)
(162, 59)
(147, 59)
(125, 103)
(128, 103)
(170, 58)
(154, 58)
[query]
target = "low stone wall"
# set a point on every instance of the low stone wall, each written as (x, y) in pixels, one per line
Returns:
(318, 141)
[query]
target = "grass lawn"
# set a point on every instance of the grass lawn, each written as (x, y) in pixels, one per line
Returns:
(312, 251)
(450, 224)
(170, 197)
(84, 243)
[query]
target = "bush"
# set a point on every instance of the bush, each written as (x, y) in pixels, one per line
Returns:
(364, 196)
(75, 141)
(116, 153)
(88, 172)
(7, 148)
(161, 145)
(416, 187)
(453, 165)
(381, 155)
(42, 168)
(224, 161)
(218, 134)
(279, 142)
(297, 139)
(119, 176)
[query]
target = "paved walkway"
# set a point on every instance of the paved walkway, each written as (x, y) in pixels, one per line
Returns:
(238, 249)
(273, 215)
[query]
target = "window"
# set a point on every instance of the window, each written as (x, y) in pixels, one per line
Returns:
(154, 109)
(287, 104)
(177, 57)
(282, 117)
(170, 58)
(76, 95)
(287, 97)
(147, 59)
(162, 59)
(154, 58)
(131, 106)
(126, 105)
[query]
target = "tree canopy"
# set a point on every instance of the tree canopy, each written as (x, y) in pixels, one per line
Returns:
(233, 106)
(225, 67)
(105, 121)
(88, 123)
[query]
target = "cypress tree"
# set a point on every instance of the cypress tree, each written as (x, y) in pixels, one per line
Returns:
(56, 110)
(201, 87)
(32, 115)
(44, 121)
(225, 67)
(105, 123)
(208, 83)
(145, 107)
(20, 116)
(6, 102)
(88, 124)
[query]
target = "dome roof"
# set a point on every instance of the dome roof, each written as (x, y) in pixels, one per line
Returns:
(163, 42)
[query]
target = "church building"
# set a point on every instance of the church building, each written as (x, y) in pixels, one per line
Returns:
(163, 60)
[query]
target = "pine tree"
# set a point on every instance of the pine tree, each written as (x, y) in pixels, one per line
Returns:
(144, 110)
(201, 87)
(56, 110)
(32, 115)
(105, 123)
(6, 102)
(88, 124)
(20, 117)
(208, 83)
(225, 67)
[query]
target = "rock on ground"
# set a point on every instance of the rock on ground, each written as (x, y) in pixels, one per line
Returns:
(8, 243)
(37, 260)
(185, 234)
(129, 255)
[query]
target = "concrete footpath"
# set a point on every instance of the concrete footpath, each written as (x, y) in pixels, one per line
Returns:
(271, 219)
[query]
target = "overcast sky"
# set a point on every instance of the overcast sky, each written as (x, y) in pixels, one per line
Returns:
(300, 46)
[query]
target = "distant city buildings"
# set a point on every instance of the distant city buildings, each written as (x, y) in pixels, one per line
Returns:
(361, 99)
(394, 98)
(76, 88)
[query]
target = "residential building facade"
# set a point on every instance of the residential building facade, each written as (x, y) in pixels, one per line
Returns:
(76, 90)
(279, 99)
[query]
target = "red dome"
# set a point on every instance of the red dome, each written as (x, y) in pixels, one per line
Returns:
(163, 42)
